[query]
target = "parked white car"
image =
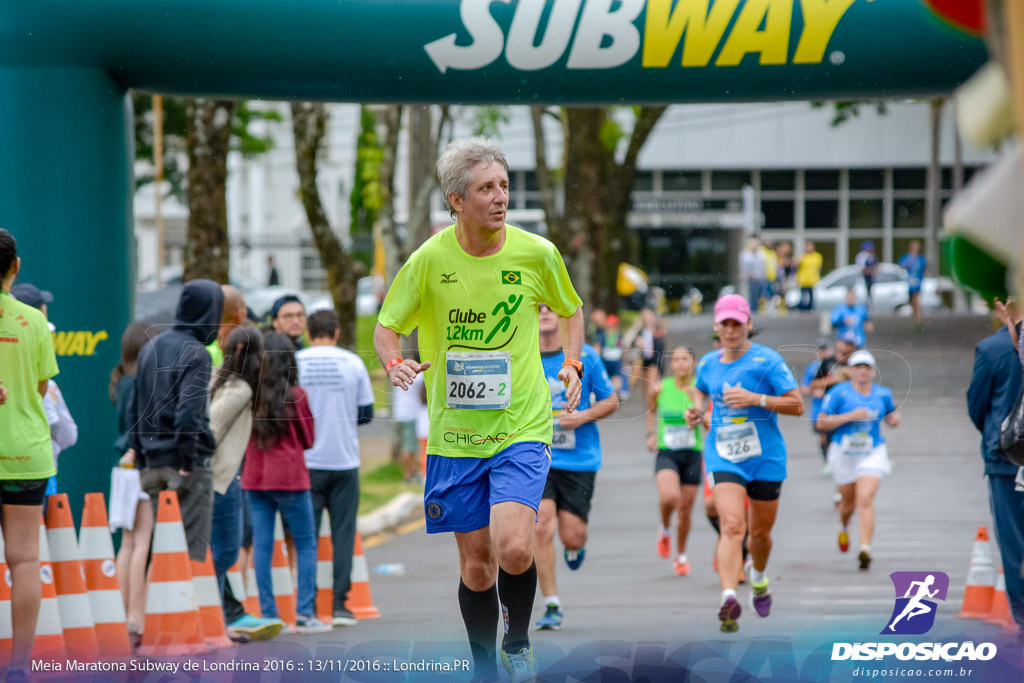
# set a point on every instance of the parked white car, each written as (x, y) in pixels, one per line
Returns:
(888, 294)
(369, 297)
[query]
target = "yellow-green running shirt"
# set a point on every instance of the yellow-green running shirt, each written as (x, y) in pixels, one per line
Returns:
(26, 359)
(477, 319)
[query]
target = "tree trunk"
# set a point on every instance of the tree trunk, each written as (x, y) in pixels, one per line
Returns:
(598, 198)
(424, 151)
(386, 174)
(309, 121)
(207, 249)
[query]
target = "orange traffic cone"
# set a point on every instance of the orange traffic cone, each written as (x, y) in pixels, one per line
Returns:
(172, 618)
(981, 579)
(252, 593)
(1000, 614)
(101, 579)
(211, 614)
(325, 572)
(234, 580)
(72, 595)
(281, 575)
(49, 642)
(360, 602)
(6, 631)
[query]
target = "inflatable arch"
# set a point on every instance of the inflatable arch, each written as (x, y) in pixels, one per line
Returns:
(66, 127)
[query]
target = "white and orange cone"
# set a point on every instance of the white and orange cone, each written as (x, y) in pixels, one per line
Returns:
(360, 602)
(252, 593)
(211, 614)
(6, 631)
(281, 575)
(49, 642)
(69, 576)
(172, 618)
(234, 580)
(1000, 614)
(101, 579)
(325, 572)
(981, 579)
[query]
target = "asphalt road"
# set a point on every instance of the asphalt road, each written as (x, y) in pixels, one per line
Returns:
(626, 603)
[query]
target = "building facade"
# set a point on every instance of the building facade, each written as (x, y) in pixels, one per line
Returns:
(708, 175)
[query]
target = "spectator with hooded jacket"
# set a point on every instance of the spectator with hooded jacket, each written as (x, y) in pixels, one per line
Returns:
(169, 415)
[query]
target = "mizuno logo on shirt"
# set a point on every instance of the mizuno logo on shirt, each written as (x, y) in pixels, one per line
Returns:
(447, 278)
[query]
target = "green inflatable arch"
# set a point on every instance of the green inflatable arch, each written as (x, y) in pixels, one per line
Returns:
(65, 121)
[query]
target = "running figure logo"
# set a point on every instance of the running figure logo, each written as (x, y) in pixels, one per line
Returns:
(914, 612)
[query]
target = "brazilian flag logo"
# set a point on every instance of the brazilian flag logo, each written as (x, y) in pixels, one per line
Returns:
(511, 277)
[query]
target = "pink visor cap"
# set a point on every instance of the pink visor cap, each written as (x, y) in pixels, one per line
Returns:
(732, 307)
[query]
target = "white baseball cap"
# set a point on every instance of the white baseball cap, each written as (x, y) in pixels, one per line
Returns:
(861, 357)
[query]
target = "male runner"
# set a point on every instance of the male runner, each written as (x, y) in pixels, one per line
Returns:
(473, 290)
(575, 460)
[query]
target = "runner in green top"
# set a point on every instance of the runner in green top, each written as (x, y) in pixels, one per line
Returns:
(27, 362)
(678, 464)
(473, 290)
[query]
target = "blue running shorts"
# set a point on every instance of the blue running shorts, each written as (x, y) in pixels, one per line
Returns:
(460, 491)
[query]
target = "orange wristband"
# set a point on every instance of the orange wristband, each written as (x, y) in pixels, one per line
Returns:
(392, 363)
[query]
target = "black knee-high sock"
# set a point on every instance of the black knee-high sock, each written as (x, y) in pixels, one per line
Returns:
(717, 523)
(517, 592)
(480, 614)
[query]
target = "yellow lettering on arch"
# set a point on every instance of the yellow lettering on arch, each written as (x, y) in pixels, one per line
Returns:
(820, 20)
(60, 342)
(77, 345)
(664, 29)
(94, 339)
(772, 42)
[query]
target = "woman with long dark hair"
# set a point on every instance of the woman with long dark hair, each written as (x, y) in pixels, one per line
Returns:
(275, 477)
(232, 391)
(134, 551)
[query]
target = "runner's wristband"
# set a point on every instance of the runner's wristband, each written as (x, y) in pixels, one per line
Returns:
(576, 365)
(392, 363)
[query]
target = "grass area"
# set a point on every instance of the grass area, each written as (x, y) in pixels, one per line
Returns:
(365, 325)
(380, 480)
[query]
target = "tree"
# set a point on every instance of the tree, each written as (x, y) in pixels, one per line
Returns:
(208, 139)
(600, 169)
(309, 123)
(203, 131)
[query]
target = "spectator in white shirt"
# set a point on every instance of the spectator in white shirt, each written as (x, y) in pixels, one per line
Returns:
(340, 397)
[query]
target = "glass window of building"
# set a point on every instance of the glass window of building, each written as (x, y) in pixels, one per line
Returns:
(821, 213)
(866, 214)
(909, 178)
(867, 179)
(778, 214)
(908, 213)
(729, 180)
(681, 181)
(827, 249)
(778, 181)
(821, 179)
(530, 181)
(644, 182)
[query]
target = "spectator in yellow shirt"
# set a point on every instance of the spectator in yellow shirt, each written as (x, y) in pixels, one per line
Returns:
(807, 275)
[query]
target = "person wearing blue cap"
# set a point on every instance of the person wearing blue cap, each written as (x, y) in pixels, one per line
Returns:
(63, 429)
(288, 316)
(868, 265)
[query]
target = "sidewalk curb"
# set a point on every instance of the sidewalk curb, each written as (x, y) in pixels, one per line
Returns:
(402, 508)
